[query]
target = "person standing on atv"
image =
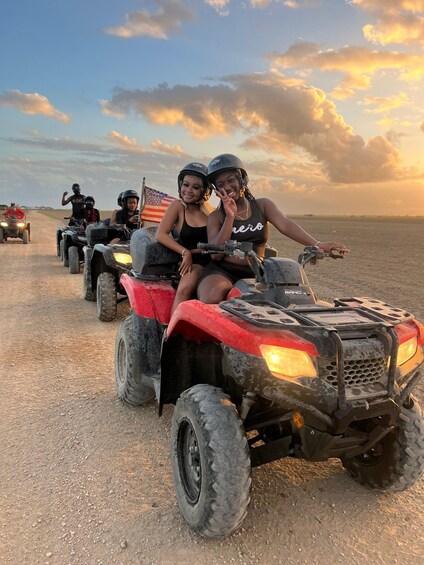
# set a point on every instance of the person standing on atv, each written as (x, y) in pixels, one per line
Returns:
(91, 214)
(242, 217)
(77, 199)
(189, 216)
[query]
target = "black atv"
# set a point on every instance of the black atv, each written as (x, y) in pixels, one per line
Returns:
(71, 244)
(12, 227)
(104, 263)
(270, 372)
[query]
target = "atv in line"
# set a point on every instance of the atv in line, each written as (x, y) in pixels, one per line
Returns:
(12, 227)
(270, 372)
(104, 263)
(71, 243)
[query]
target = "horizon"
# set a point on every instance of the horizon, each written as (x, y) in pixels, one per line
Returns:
(322, 100)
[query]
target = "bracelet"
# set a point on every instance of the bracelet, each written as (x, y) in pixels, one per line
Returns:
(317, 243)
(182, 252)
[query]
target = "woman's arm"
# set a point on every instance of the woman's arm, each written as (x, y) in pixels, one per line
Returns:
(169, 220)
(66, 201)
(113, 218)
(292, 230)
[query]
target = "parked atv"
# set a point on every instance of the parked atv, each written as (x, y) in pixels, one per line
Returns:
(104, 263)
(15, 228)
(268, 373)
(71, 246)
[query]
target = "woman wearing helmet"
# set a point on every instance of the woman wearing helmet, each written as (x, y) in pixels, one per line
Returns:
(242, 217)
(91, 214)
(189, 217)
(129, 214)
(77, 201)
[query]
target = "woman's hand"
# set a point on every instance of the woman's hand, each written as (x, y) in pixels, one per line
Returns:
(230, 205)
(328, 246)
(186, 263)
(133, 219)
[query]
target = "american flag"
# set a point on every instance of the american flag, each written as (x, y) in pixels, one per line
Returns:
(155, 204)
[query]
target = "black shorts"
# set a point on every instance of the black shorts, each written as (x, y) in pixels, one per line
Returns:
(229, 270)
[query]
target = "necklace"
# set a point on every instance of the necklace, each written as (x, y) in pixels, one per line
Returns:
(243, 215)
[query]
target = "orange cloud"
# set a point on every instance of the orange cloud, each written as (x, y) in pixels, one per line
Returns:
(356, 64)
(289, 117)
(32, 104)
(385, 104)
(125, 142)
(157, 145)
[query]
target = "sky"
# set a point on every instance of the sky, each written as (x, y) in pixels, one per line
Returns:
(322, 100)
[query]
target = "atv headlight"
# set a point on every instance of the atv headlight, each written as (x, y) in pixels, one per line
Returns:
(284, 362)
(21, 225)
(4, 224)
(123, 258)
(407, 350)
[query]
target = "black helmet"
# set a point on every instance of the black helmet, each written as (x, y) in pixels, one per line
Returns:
(75, 186)
(129, 194)
(120, 199)
(227, 162)
(89, 201)
(198, 170)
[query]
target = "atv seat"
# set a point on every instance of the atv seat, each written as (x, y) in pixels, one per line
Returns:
(101, 233)
(150, 257)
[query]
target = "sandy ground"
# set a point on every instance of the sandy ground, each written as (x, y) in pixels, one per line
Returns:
(86, 479)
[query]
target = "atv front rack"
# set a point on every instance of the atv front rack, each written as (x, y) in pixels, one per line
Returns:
(347, 316)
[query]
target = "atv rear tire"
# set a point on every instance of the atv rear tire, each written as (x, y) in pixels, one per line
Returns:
(87, 291)
(128, 372)
(74, 260)
(1, 236)
(397, 462)
(63, 255)
(25, 237)
(210, 461)
(106, 297)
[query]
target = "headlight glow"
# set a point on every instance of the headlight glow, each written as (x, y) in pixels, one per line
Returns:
(123, 258)
(4, 224)
(21, 225)
(284, 362)
(407, 350)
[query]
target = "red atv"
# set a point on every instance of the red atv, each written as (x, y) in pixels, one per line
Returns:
(271, 372)
(14, 225)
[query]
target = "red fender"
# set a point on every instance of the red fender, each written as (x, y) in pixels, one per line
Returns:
(149, 299)
(197, 321)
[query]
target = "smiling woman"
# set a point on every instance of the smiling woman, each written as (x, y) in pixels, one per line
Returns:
(189, 217)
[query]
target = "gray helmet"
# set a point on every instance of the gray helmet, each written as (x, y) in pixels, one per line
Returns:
(129, 194)
(198, 170)
(120, 199)
(227, 162)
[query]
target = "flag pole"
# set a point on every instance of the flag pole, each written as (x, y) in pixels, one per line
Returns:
(143, 185)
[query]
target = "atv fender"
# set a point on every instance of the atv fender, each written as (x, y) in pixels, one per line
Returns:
(149, 299)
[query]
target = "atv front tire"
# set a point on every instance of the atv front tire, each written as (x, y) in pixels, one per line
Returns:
(25, 236)
(397, 462)
(210, 461)
(128, 367)
(106, 297)
(1, 236)
(74, 261)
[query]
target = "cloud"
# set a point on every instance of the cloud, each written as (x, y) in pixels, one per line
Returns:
(32, 104)
(356, 64)
(168, 20)
(219, 5)
(422, 127)
(274, 113)
(125, 142)
(157, 145)
(384, 104)
(400, 21)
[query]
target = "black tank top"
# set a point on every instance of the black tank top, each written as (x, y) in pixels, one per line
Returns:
(189, 238)
(254, 229)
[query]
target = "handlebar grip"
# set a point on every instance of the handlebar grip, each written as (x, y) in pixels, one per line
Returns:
(208, 247)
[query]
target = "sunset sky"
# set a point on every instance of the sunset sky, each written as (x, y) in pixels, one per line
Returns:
(323, 100)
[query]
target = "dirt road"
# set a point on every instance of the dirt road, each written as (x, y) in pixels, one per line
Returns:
(85, 479)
